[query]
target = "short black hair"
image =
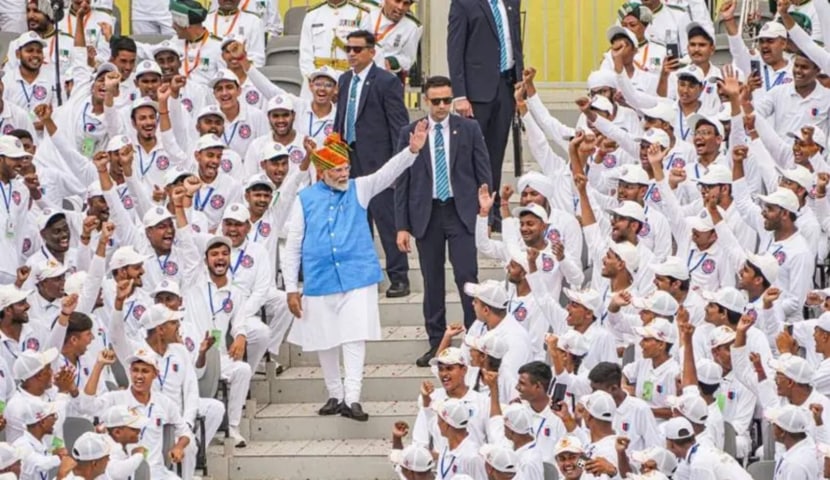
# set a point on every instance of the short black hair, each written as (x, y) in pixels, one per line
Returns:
(577, 361)
(758, 273)
(685, 285)
(606, 373)
(624, 37)
(732, 317)
(364, 34)
(21, 134)
(78, 323)
(436, 81)
(54, 219)
(259, 188)
(700, 32)
(539, 372)
(707, 389)
(494, 363)
(119, 44)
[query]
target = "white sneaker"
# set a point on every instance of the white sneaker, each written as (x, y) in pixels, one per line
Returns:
(238, 439)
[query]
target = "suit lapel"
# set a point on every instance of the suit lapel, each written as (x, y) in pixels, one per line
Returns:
(426, 154)
(365, 89)
(488, 12)
(453, 140)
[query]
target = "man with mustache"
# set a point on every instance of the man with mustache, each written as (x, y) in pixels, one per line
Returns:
(329, 234)
(397, 33)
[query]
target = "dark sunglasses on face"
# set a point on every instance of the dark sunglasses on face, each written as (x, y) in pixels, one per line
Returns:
(439, 101)
(350, 48)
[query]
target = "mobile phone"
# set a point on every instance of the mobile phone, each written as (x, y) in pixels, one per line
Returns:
(672, 48)
(755, 67)
(558, 395)
(583, 459)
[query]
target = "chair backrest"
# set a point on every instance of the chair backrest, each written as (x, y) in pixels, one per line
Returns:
(550, 471)
(763, 470)
(628, 355)
(288, 78)
(120, 375)
(283, 50)
(209, 382)
(168, 439)
(729, 439)
(293, 20)
(74, 427)
(142, 472)
(150, 38)
(282, 57)
(768, 441)
(116, 14)
(5, 39)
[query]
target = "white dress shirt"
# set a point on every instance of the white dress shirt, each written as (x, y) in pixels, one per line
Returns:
(446, 134)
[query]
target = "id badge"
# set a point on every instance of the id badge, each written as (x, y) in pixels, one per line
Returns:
(217, 335)
(721, 399)
(648, 390)
(57, 443)
(88, 147)
(9, 228)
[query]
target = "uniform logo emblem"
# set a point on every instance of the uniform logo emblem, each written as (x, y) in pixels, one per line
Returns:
(645, 229)
(225, 165)
(247, 261)
(296, 155)
(554, 236)
(138, 311)
(520, 314)
(227, 305)
(9, 128)
(27, 245)
(127, 201)
(244, 131)
(39, 92)
(678, 163)
(217, 202)
(171, 268)
(189, 344)
(708, 266)
(16, 197)
(547, 263)
(328, 129)
(265, 229)
(32, 343)
(780, 256)
(188, 104)
(610, 161)
(252, 97)
(752, 313)
(162, 162)
(655, 195)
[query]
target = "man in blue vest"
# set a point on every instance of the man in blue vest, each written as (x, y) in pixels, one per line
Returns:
(328, 233)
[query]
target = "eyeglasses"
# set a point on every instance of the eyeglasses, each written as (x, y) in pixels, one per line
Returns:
(439, 101)
(350, 48)
(323, 84)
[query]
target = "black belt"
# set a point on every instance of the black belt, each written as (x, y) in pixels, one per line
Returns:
(442, 203)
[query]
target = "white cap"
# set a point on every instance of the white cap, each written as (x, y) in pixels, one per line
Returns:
(701, 222)
(46, 215)
(729, 298)
(90, 446)
(824, 322)
(628, 253)
(490, 343)
(629, 209)
(600, 405)
(678, 428)
(518, 255)
(9, 295)
(798, 174)
(176, 173)
(146, 356)
(218, 240)
(29, 37)
(766, 263)
(691, 72)
(790, 418)
(94, 190)
(208, 110)
(724, 114)
(125, 256)
(568, 444)
(532, 208)
(29, 362)
(168, 286)
(618, 30)
(665, 460)
(159, 314)
(673, 267)
(518, 418)
(46, 269)
(11, 147)
(716, 174)
(659, 302)
(709, 372)
(8, 457)
(166, 46)
(74, 282)
(707, 29)
(209, 141)
(652, 475)
(273, 150)
(793, 367)
(690, 405)
(601, 103)
(453, 411)
(695, 119)
(223, 75)
(773, 29)
(588, 298)
(664, 110)
(659, 329)
(783, 197)
(144, 102)
(601, 78)
(634, 175)
(818, 136)
(721, 335)
(123, 416)
(280, 102)
(105, 67)
(414, 458)
(233, 37)
(259, 179)
(655, 135)
(449, 356)
(36, 410)
(156, 215)
(574, 343)
(501, 458)
(491, 292)
(237, 212)
(147, 66)
(325, 71)
(118, 142)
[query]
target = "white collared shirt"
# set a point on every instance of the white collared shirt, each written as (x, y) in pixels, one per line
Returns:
(446, 134)
(790, 111)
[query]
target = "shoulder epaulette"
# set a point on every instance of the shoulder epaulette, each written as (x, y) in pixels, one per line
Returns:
(412, 17)
(679, 8)
(359, 5)
(315, 7)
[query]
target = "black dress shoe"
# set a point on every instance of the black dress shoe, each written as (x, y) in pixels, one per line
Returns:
(355, 412)
(332, 407)
(425, 358)
(397, 290)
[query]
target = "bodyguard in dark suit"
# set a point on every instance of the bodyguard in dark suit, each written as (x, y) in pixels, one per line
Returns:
(436, 201)
(370, 115)
(484, 52)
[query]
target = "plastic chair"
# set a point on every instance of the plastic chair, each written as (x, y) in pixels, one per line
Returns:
(289, 78)
(167, 443)
(209, 383)
(729, 440)
(74, 427)
(120, 375)
(763, 470)
(628, 355)
(151, 38)
(116, 15)
(293, 20)
(550, 471)
(283, 50)
(142, 472)
(5, 39)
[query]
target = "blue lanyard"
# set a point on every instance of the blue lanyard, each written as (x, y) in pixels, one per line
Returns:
(233, 134)
(210, 301)
(26, 94)
(6, 343)
(778, 79)
(689, 261)
(123, 191)
(90, 123)
(311, 122)
(444, 471)
(141, 166)
(238, 261)
(162, 265)
(129, 310)
(7, 199)
(604, 296)
(256, 229)
(161, 378)
(150, 417)
(197, 204)
(77, 366)
(541, 424)
(668, 163)
(681, 120)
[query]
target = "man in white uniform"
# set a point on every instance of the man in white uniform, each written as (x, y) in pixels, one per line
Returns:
(340, 267)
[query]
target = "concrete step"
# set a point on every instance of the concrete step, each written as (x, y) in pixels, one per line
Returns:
(352, 459)
(488, 269)
(408, 311)
(397, 345)
(380, 383)
(300, 421)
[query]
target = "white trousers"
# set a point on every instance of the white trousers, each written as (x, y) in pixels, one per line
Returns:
(150, 27)
(354, 355)
(238, 374)
(213, 410)
(258, 336)
(279, 319)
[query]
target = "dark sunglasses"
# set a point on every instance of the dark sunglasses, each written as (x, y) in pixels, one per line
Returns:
(439, 101)
(350, 48)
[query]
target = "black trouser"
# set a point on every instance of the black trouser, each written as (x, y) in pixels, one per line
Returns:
(382, 211)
